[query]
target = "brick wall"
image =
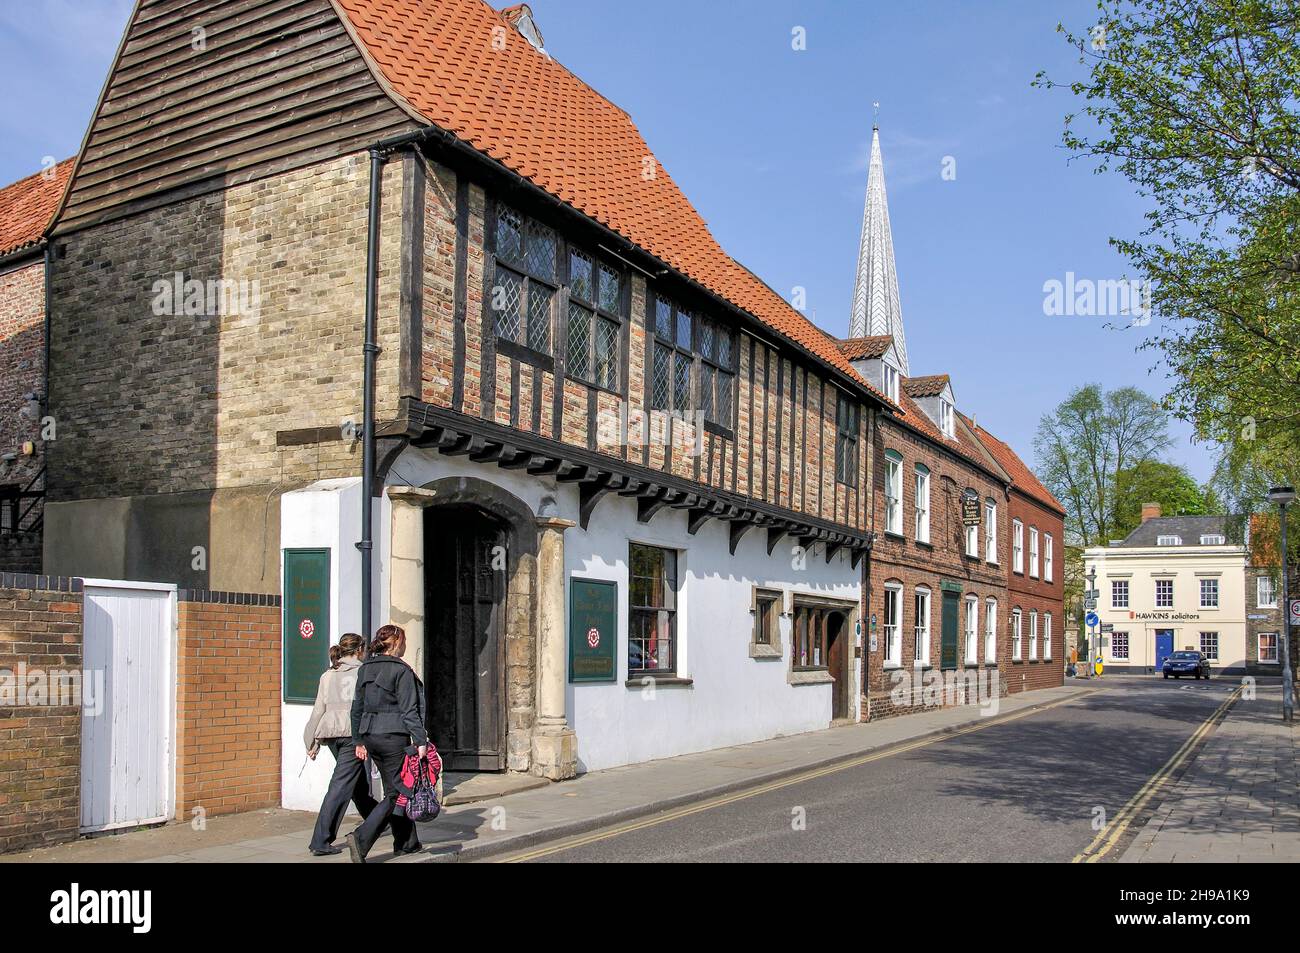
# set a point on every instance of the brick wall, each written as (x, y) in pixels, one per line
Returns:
(227, 703)
(40, 744)
(22, 372)
(902, 561)
(1037, 595)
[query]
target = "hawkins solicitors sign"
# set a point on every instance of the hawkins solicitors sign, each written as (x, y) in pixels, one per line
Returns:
(1165, 616)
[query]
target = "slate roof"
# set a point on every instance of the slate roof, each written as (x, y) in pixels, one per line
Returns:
(454, 66)
(1189, 528)
(27, 206)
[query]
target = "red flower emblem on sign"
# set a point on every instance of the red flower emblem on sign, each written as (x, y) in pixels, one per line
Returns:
(306, 629)
(593, 637)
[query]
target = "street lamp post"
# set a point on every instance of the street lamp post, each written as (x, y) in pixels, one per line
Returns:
(1283, 495)
(1094, 642)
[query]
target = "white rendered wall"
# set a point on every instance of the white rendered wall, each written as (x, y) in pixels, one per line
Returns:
(734, 699)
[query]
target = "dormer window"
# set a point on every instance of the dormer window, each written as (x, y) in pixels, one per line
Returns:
(1212, 540)
(1169, 541)
(889, 381)
(946, 418)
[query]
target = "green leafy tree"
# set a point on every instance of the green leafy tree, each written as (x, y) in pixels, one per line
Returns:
(1082, 446)
(1155, 481)
(1198, 105)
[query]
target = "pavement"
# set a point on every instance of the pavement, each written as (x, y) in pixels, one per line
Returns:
(516, 822)
(1239, 801)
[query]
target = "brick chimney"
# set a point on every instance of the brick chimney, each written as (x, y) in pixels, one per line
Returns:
(1150, 511)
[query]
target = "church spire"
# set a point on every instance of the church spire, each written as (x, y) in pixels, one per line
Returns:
(876, 309)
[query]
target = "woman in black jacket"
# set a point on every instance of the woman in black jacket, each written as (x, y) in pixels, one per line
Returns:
(387, 719)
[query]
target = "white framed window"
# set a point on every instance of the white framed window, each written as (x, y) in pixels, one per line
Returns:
(1033, 634)
(946, 418)
(991, 632)
(1047, 557)
(921, 606)
(972, 630)
(893, 493)
(1033, 552)
(1047, 636)
(1209, 593)
(1119, 646)
(1268, 648)
(1015, 634)
(1017, 546)
(1265, 593)
(1119, 593)
(890, 381)
(1164, 593)
(1210, 645)
(990, 531)
(1212, 539)
(922, 504)
(1169, 541)
(893, 623)
(973, 541)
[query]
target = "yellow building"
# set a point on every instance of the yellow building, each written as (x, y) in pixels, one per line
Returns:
(1174, 583)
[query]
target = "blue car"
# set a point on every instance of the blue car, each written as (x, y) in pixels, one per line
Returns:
(1187, 663)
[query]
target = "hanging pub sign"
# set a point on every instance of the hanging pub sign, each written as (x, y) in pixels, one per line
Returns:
(970, 509)
(305, 635)
(593, 630)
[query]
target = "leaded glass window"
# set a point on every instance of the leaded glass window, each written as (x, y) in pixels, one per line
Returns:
(597, 309)
(526, 280)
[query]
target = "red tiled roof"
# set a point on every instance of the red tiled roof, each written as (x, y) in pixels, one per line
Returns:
(27, 206)
(861, 349)
(929, 386)
(961, 444)
(1021, 476)
(455, 67)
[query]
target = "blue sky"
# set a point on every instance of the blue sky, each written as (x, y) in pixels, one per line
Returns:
(771, 145)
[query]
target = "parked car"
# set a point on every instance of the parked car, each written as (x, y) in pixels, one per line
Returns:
(1187, 663)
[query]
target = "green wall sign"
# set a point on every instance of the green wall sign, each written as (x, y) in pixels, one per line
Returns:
(593, 630)
(305, 636)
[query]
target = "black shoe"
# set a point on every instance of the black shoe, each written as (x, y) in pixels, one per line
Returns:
(354, 849)
(399, 851)
(329, 851)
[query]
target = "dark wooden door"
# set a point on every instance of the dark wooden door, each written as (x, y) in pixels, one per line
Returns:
(465, 577)
(837, 663)
(948, 632)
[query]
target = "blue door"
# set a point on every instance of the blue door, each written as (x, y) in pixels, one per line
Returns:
(1164, 646)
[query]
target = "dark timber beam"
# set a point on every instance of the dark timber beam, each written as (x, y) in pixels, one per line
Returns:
(460, 444)
(518, 460)
(543, 466)
(774, 534)
(858, 553)
(590, 493)
(488, 453)
(833, 548)
(571, 472)
(698, 517)
(738, 529)
(648, 506)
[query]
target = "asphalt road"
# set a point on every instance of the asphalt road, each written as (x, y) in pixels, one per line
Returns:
(1026, 790)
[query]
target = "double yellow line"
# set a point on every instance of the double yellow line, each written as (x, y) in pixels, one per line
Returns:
(582, 840)
(1109, 835)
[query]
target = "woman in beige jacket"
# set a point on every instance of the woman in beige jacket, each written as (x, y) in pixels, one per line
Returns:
(330, 724)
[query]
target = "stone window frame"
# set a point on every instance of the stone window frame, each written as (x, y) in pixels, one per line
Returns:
(1259, 648)
(820, 675)
(1214, 642)
(1156, 593)
(1115, 604)
(1202, 591)
(771, 649)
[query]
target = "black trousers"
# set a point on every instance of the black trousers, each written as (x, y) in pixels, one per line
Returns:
(389, 751)
(350, 782)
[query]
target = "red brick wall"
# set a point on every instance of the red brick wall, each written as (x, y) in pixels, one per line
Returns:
(40, 745)
(22, 371)
(227, 706)
(902, 560)
(1037, 595)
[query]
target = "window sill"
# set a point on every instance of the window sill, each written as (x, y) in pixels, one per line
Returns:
(925, 543)
(990, 664)
(814, 676)
(760, 651)
(524, 353)
(600, 388)
(890, 534)
(890, 666)
(638, 680)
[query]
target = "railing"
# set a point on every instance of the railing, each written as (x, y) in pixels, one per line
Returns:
(22, 508)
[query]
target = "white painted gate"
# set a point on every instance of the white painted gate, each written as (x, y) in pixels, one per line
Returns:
(127, 746)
